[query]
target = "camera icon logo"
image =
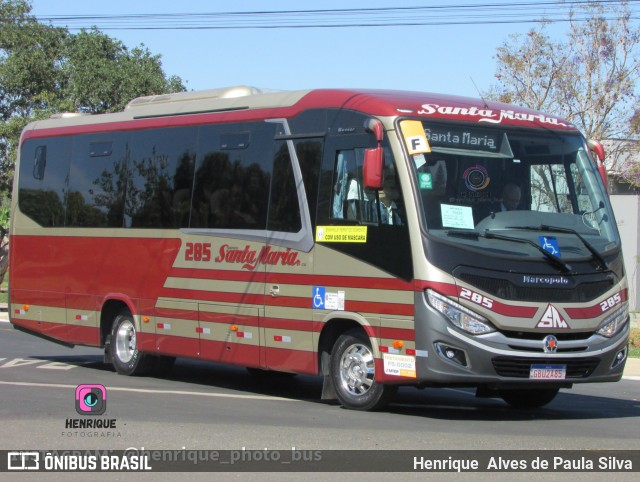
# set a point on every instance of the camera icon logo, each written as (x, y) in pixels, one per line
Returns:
(91, 399)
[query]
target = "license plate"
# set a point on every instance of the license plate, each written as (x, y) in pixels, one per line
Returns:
(548, 372)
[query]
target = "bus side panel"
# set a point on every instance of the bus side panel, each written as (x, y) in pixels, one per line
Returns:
(46, 268)
(83, 319)
(176, 326)
(230, 334)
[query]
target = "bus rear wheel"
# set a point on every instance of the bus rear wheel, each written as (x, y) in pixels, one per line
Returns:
(529, 398)
(123, 346)
(353, 374)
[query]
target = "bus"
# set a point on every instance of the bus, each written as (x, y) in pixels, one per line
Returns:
(373, 238)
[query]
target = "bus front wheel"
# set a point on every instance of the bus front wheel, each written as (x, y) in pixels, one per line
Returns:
(353, 374)
(125, 356)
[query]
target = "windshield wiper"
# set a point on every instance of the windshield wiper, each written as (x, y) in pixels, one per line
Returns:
(556, 229)
(489, 235)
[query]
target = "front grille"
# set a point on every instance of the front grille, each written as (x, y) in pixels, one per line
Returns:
(520, 367)
(505, 289)
(535, 335)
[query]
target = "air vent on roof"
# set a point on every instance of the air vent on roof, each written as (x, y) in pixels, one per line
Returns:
(223, 93)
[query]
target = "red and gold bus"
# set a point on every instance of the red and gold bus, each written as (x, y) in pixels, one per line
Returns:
(373, 238)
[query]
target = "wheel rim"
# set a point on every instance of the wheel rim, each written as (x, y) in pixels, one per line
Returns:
(126, 341)
(357, 369)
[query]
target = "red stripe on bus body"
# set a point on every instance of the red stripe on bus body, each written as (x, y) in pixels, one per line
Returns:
(447, 289)
(397, 333)
(284, 324)
(298, 361)
(597, 309)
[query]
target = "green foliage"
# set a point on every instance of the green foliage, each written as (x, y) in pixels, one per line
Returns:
(5, 210)
(44, 70)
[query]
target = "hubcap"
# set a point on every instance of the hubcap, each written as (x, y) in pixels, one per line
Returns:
(126, 341)
(357, 369)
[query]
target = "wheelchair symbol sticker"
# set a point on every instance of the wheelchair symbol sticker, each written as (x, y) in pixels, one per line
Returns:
(318, 297)
(550, 244)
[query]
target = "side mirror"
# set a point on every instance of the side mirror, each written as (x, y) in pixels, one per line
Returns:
(373, 165)
(598, 149)
(372, 168)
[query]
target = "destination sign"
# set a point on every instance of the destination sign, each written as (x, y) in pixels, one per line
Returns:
(463, 138)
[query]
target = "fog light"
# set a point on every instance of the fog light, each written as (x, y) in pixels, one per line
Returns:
(450, 354)
(620, 357)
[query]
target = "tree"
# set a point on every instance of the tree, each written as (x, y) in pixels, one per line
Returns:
(589, 78)
(44, 70)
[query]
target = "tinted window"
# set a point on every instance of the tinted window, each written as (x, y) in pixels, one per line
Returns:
(284, 208)
(98, 180)
(232, 176)
(161, 166)
(44, 167)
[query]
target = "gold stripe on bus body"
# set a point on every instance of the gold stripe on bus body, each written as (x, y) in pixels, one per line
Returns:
(405, 323)
(176, 327)
(222, 286)
(83, 318)
(44, 314)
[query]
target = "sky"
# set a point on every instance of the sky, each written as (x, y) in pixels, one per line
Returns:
(438, 58)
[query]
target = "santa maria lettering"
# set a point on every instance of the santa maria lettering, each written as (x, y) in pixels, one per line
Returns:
(489, 115)
(250, 259)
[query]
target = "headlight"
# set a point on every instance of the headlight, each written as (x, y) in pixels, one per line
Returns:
(460, 316)
(614, 323)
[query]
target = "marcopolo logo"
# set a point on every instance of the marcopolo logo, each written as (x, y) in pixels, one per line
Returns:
(91, 399)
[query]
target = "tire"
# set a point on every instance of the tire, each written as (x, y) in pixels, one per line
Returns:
(353, 374)
(125, 356)
(529, 398)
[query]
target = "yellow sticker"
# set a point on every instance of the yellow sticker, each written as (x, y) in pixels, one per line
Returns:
(341, 234)
(414, 137)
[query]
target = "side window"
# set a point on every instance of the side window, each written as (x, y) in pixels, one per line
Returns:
(391, 207)
(161, 166)
(284, 208)
(352, 202)
(44, 169)
(233, 172)
(98, 178)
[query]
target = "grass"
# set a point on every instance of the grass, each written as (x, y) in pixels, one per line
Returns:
(634, 343)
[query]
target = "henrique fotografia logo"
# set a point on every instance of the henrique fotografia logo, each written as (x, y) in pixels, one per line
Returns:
(91, 399)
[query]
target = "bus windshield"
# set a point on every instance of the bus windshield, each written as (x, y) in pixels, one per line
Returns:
(513, 192)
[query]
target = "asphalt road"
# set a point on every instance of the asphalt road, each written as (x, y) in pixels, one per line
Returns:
(210, 406)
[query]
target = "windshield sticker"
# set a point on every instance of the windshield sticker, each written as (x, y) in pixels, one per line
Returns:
(426, 182)
(414, 137)
(456, 216)
(476, 178)
(550, 244)
(419, 160)
(323, 300)
(341, 234)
